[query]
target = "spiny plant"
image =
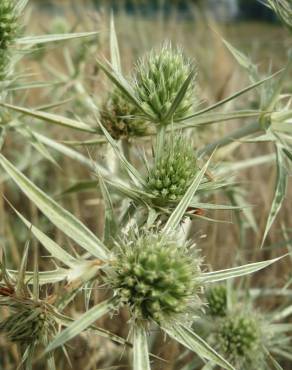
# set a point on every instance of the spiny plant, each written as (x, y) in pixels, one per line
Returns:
(126, 265)
(144, 262)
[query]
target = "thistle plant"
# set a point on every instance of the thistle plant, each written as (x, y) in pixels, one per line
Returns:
(142, 259)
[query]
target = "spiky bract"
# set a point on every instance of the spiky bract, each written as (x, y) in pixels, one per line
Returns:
(120, 117)
(29, 323)
(217, 300)
(156, 278)
(158, 79)
(8, 23)
(173, 172)
(239, 339)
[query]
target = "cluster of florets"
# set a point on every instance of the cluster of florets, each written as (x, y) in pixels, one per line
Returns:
(8, 31)
(156, 279)
(239, 339)
(158, 79)
(120, 117)
(217, 301)
(173, 172)
(29, 323)
(8, 23)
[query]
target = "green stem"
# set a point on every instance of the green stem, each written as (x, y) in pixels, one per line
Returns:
(160, 140)
(233, 136)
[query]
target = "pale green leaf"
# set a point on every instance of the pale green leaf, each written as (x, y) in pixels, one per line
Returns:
(53, 248)
(231, 97)
(195, 343)
(60, 217)
(231, 273)
(52, 118)
(80, 324)
(114, 47)
(280, 192)
(44, 39)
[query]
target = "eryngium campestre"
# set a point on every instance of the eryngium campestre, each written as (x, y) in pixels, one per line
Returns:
(173, 172)
(119, 117)
(217, 300)
(158, 79)
(239, 339)
(8, 23)
(156, 279)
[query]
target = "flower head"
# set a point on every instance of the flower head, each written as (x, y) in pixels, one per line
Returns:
(119, 117)
(158, 79)
(156, 278)
(8, 23)
(217, 300)
(173, 172)
(239, 338)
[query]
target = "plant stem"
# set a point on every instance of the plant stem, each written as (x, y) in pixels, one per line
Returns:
(233, 136)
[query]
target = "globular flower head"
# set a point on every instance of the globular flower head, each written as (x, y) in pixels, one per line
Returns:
(29, 322)
(156, 278)
(120, 118)
(8, 23)
(158, 79)
(217, 300)
(173, 172)
(239, 338)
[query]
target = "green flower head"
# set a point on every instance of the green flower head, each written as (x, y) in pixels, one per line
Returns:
(156, 278)
(9, 26)
(217, 300)
(158, 79)
(173, 172)
(239, 339)
(119, 117)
